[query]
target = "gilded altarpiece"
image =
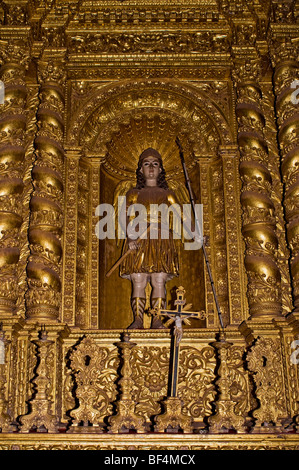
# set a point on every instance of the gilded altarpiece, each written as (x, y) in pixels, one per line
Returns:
(88, 86)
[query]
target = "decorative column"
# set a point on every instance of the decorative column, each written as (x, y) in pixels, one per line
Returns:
(286, 85)
(84, 269)
(236, 273)
(265, 361)
(258, 218)
(126, 418)
(5, 418)
(274, 163)
(72, 157)
(43, 298)
(95, 279)
(12, 154)
(40, 417)
(225, 419)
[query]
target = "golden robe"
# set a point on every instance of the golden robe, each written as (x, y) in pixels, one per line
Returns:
(154, 255)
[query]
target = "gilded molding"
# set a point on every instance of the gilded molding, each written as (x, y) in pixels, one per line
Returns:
(153, 441)
(84, 235)
(238, 307)
(72, 157)
(219, 243)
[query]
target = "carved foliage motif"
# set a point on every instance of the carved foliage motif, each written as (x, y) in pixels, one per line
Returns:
(232, 404)
(95, 373)
(196, 374)
(264, 361)
(166, 42)
(283, 253)
(150, 376)
(235, 272)
(83, 237)
(196, 377)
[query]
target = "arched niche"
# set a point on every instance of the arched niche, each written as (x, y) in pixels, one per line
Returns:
(116, 124)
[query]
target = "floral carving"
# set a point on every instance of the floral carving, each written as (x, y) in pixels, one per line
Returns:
(264, 361)
(95, 374)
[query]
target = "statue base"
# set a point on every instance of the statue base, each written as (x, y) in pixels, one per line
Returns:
(172, 420)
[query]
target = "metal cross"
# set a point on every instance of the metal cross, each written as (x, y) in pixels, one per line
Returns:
(179, 316)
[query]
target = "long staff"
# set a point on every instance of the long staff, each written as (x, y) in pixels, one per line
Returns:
(188, 184)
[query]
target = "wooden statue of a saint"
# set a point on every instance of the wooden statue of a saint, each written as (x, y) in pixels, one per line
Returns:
(154, 257)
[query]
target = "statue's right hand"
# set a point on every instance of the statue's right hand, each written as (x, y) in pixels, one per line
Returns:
(133, 245)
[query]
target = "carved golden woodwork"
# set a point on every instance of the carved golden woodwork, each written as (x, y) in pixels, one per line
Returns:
(12, 163)
(5, 418)
(286, 72)
(173, 418)
(89, 364)
(40, 417)
(265, 361)
(87, 87)
(125, 417)
(43, 297)
(227, 416)
(259, 224)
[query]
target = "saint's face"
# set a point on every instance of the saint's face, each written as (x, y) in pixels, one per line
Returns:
(151, 169)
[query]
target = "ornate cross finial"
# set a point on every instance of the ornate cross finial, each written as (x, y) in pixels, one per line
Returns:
(173, 416)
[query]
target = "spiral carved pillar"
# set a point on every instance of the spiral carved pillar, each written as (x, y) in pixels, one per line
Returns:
(12, 155)
(286, 82)
(43, 297)
(258, 219)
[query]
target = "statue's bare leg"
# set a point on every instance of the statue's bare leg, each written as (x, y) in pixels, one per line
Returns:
(138, 299)
(158, 282)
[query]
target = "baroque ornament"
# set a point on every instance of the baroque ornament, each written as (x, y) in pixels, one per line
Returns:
(89, 364)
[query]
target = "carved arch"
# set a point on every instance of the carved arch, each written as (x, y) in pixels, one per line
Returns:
(106, 107)
(105, 124)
